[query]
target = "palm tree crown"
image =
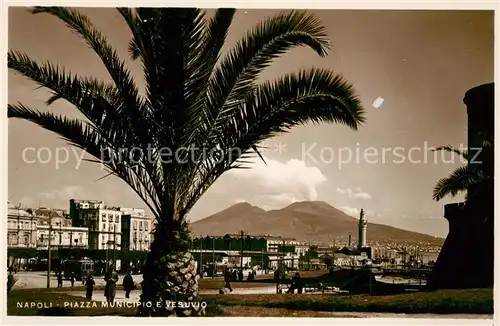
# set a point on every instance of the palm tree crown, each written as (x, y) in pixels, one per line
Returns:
(476, 177)
(201, 114)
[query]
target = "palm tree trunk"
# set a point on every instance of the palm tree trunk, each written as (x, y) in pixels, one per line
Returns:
(170, 274)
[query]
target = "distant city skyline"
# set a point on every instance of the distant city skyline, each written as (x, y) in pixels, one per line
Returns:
(411, 70)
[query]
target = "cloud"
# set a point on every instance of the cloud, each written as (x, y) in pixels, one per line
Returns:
(347, 191)
(352, 211)
(276, 184)
(357, 194)
(362, 196)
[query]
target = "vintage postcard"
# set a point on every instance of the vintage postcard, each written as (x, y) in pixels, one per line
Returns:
(186, 162)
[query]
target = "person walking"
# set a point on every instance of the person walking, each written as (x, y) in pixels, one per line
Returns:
(227, 280)
(89, 287)
(128, 284)
(72, 279)
(59, 280)
(277, 278)
(110, 289)
(85, 277)
(295, 284)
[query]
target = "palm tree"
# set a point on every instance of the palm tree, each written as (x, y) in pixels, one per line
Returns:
(200, 114)
(475, 178)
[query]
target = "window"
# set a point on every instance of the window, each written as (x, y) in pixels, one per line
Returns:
(103, 226)
(117, 219)
(104, 217)
(12, 239)
(103, 239)
(140, 225)
(135, 225)
(146, 226)
(110, 216)
(111, 227)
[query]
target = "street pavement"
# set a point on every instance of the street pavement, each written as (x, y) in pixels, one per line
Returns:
(37, 280)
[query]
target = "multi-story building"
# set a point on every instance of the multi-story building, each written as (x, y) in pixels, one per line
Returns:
(62, 234)
(274, 243)
(103, 223)
(137, 229)
(21, 227)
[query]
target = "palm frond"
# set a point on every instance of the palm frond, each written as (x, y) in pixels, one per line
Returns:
(97, 101)
(82, 26)
(236, 74)
(89, 139)
(460, 180)
(315, 95)
(202, 64)
(451, 149)
(135, 44)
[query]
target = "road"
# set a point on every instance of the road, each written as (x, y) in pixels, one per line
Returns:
(37, 280)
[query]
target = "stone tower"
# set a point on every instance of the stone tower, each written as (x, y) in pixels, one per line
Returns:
(362, 230)
(471, 224)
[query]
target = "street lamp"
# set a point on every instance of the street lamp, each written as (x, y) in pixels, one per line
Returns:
(107, 258)
(49, 250)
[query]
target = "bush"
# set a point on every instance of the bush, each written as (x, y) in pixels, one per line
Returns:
(11, 281)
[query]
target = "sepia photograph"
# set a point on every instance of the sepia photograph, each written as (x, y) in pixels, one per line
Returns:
(188, 162)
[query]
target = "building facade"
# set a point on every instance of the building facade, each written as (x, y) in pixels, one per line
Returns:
(103, 223)
(276, 243)
(21, 227)
(137, 229)
(62, 237)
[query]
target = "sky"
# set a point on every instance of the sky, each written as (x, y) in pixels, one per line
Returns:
(419, 62)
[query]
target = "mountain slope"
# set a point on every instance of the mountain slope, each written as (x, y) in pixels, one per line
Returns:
(305, 221)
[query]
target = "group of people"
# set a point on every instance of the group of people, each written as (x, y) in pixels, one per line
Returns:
(233, 275)
(295, 284)
(110, 289)
(72, 279)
